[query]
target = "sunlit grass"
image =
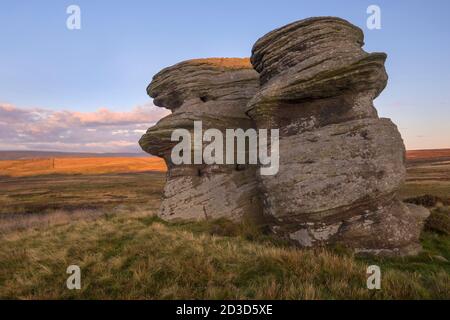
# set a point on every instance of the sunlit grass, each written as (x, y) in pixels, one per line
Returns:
(106, 224)
(86, 166)
(137, 256)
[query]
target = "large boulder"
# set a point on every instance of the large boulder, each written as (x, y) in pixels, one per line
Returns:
(340, 165)
(214, 91)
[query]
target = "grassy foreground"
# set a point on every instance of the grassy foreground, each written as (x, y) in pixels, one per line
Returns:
(105, 224)
(137, 256)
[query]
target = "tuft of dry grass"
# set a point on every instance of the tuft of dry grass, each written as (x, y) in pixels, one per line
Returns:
(439, 221)
(227, 63)
(16, 222)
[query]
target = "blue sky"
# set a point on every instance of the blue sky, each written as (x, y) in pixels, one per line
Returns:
(109, 62)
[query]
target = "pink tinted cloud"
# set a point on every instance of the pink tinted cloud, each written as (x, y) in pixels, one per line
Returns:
(64, 130)
(106, 117)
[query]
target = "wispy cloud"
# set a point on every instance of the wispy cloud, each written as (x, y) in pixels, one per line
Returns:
(100, 131)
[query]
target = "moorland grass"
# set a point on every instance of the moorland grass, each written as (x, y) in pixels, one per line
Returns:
(138, 256)
(106, 225)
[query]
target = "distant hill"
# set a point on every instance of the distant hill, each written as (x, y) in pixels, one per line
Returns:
(78, 166)
(21, 155)
(430, 155)
(413, 156)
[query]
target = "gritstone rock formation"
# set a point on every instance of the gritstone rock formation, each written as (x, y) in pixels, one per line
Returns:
(340, 165)
(216, 92)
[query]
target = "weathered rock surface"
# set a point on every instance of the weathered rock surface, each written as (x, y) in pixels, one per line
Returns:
(340, 165)
(216, 92)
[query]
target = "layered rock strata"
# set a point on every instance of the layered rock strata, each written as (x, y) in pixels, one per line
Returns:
(340, 165)
(214, 91)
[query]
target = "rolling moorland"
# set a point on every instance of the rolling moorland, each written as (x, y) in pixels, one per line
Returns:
(22, 155)
(99, 213)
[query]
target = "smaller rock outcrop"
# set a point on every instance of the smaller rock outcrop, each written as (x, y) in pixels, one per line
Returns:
(214, 91)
